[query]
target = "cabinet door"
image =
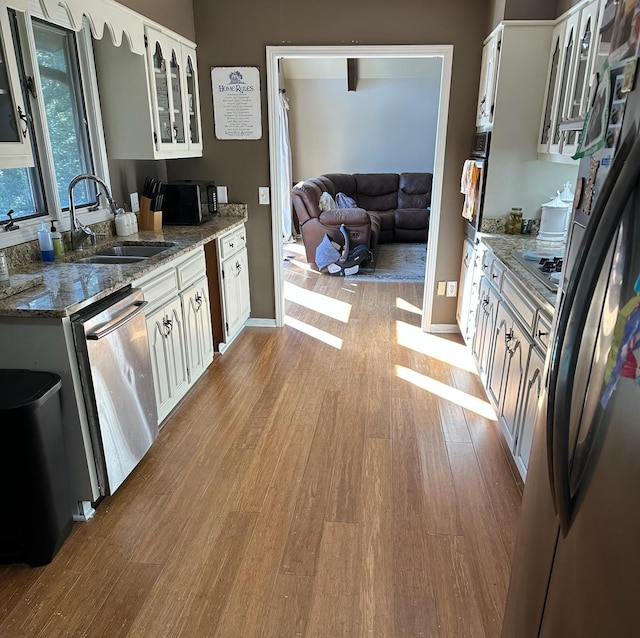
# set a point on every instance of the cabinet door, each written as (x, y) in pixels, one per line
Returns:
(483, 341)
(464, 298)
(237, 305)
(168, 357)
(15, 144)
(567, 71)
(164, 58)
(191, 98)
(585, 58)
(551, 93)
(197, 328)
(518, 346)
(488, 80)
(531, 390)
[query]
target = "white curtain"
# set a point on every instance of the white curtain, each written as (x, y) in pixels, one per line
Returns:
(285, 168)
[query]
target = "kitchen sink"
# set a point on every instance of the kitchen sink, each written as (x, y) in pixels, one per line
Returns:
(127, 254)
(111, 259)
(134, 250)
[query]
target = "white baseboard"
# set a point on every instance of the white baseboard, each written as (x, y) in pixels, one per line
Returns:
(261, 323)
(444, 328)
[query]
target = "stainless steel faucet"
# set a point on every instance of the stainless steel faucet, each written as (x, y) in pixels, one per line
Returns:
(80, 232)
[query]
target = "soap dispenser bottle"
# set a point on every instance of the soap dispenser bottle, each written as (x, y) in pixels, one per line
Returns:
(56, 240)
(46, 244)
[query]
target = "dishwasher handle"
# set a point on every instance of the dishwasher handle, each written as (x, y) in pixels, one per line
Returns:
(113, 325)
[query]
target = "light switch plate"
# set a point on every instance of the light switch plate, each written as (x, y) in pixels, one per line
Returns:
(263, 194)
(135, 202)
(223, 196)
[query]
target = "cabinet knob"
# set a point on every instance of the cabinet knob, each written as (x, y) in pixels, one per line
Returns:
(198, 300)
(168, 326)
(230, 244)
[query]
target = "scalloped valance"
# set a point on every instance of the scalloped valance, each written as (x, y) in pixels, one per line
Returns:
(118, 20)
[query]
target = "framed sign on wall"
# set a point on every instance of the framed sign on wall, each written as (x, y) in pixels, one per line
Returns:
(236, 102)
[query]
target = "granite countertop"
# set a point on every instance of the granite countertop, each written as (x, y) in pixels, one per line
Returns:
(66, 286)
(503, 247)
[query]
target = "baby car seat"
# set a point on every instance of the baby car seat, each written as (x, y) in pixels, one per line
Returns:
(329, 257)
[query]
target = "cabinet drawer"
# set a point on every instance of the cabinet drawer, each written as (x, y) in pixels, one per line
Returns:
(191, 268)
(524, 308)
(542, 331)
(232, 242)
(160, 288)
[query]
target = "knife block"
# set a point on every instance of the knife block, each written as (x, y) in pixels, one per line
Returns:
(149, 219)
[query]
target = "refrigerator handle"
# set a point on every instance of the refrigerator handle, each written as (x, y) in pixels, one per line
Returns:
(601, 232)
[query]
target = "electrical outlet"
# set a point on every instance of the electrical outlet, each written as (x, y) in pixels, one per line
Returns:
(442, 287)
(452, 288)
(263, 194)
(135, 202)
(223, 196)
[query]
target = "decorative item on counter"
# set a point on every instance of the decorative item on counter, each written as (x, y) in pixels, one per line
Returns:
(555, 220)
(526, 227)
(121, 223)
(46, 244)
(56, 239)
(4, 270)
(513, 224)
(567, 195)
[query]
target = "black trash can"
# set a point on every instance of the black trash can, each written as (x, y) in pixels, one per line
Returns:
(35, 500)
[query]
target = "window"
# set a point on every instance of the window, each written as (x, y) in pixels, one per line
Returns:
(58, 120)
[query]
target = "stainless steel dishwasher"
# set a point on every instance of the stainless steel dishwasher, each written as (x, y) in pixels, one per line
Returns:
(115, 366)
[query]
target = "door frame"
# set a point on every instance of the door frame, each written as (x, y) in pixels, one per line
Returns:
(274, 55)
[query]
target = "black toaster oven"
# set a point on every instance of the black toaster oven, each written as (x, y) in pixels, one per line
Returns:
(188, 202)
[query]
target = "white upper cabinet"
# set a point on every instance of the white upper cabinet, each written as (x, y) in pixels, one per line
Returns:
(488, 79)
(15, 143)
(571, 66)
(151, 106)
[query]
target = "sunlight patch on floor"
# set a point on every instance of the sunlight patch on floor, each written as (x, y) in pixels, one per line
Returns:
(454, 354)
(444, 391)
(402, 304)
(316, 333)
(327, 306)
(293, 247)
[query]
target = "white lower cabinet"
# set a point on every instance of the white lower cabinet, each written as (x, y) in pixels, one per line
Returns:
(509, 358)
(234, 284)
(168, 356)
(179, 327)
(197, 328)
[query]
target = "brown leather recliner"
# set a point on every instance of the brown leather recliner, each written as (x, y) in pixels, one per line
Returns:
(398, 207)
(315, 224)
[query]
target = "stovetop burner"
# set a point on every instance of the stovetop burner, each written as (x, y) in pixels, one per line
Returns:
(545, 266)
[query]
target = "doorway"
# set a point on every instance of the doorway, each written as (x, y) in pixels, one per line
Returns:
(277, 53)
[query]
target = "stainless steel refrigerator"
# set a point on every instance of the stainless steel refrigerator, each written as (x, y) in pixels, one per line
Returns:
(576, 566)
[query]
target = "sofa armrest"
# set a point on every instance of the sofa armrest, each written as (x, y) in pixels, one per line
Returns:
(346, 216)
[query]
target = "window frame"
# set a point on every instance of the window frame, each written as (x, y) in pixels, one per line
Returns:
(41, 140)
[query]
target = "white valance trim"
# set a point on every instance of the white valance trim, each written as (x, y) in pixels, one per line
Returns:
(119, 20)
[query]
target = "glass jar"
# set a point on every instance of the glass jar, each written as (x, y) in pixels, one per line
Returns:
(514, 222)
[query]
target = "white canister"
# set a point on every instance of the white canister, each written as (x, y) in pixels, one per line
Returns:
(555, 220)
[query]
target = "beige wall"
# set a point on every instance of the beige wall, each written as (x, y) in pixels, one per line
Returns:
(523, 10)
(176, 15)
(236, 33)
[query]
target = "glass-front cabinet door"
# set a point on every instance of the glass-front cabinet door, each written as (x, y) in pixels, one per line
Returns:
(165, 76)
(567, 66)
(15, 145)
(192, 102)
(586, 55)
(551, 95)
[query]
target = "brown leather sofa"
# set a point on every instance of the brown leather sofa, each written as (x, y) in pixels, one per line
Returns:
(391, 207)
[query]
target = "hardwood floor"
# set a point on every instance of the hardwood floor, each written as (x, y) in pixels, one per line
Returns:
(338, 477)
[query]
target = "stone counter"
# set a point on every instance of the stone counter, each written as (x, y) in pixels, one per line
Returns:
(503, 247)
(68, 286)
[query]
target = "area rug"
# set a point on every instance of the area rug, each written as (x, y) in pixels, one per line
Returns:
(395, 263)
